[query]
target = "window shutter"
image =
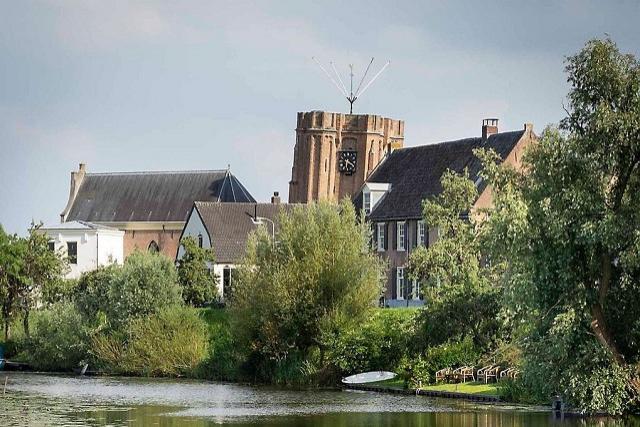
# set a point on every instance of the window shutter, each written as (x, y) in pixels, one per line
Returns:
(406, 235)
(395, 234)
(426, 235)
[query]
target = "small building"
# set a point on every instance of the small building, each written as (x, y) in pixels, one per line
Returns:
(150, 207)
(86, 245)
(392, 197)
(225, 227)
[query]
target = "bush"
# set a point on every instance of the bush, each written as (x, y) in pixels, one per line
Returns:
(172, 342)
(423, 368)
(58, 341)
(225, 357)
(145, 284)
(198, 281)
(377, 344)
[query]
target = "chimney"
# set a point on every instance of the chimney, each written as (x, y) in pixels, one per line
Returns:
(76, 181)
(275, 199)
(489, 127)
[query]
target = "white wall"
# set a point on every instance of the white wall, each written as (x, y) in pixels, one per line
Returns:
(94, 248)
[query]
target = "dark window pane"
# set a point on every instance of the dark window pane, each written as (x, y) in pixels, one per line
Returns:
(51, 246)
(72, 252)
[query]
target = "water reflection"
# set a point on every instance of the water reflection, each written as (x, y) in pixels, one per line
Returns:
(34, 399)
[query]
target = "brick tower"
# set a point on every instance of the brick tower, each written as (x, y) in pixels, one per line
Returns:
(336, 152)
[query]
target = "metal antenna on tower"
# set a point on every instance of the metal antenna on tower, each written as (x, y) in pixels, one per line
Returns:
(351, 96)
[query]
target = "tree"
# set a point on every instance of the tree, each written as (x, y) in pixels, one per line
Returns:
(145, 284)
(455, 281)
(318, 278)
(27, 266)
(195, 273)
(12, 250)
(567, 230)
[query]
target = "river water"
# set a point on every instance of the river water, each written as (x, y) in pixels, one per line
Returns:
(55, 400)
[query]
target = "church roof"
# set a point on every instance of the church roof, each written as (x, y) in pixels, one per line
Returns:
(77, 225)
(414, 172)
(151, 196)
(229, 225)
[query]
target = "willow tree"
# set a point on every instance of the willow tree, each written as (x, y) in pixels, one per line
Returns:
(567, 231)
(318, 278)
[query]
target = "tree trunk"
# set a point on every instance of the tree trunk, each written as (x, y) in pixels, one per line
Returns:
(603, 334)
(7, 329)
(25, 323)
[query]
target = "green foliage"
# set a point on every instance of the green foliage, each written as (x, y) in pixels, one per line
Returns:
(566, 235)
(144, 285)
(27, 269)
(198, 281)
(422, 369)
(320, 277)
(171, 342)
(225, 357)
(59, 340)
(377, 344)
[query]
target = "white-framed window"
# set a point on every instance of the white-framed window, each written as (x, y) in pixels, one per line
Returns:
(415, 290)
(422, 233)
(401, 236)
(380, 230)
(366, 202)
(400, 288)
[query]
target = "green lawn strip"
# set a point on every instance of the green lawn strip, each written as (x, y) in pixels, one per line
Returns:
(469, 388)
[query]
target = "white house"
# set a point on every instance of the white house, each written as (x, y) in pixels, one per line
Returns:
(86, 245)
(225, 227)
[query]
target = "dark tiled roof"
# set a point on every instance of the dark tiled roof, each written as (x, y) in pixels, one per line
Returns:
(151, 196)
(414, 172)
(229, 225)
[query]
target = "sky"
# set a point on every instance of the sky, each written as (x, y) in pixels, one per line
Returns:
(134, 86)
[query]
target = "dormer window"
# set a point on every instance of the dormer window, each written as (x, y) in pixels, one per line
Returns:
(366, 202)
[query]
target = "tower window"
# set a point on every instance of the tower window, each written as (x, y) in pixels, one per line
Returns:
(153, 247)
(200, 240)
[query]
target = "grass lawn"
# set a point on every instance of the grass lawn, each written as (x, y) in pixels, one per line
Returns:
(470, 388)
(490, 389)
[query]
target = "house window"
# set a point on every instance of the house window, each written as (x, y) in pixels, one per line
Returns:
(422, 232)
(415, 290)
(200, 240)
(51, 246)
(401, 235)
(400, 288)
(72, 252)
(381, 236)
(366, 202)
(228, 276)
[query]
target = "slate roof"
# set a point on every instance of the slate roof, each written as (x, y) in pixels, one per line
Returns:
(414, 172)
(77, 225)
(229, 225)
(152, 196)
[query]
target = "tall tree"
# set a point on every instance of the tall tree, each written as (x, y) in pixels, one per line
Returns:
(195, 273)
(293, 295)
(567, 231)
(12, 256)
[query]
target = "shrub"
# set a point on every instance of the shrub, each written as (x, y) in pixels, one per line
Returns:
(377, 344)
(171, 342)
(423, 368)
(198, 281)
(59, 341)
(225, 357)
(145, 284)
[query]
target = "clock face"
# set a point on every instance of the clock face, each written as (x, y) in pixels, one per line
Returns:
(347, 162)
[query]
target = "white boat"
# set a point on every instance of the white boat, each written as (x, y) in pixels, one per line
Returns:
(369, 377)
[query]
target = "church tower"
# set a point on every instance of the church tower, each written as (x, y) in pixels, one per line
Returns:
(336, 152)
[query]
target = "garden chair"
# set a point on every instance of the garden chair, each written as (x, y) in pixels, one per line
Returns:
(491, 371)
(509, 373)
(443, 375)
(468, 372)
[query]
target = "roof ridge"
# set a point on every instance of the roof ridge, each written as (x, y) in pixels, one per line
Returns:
(454, 141)
(158, 172)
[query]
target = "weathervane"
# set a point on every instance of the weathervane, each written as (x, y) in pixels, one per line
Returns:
(351, 96)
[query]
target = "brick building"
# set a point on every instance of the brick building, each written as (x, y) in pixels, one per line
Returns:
(150, 207)
(392, 197)
(334, 153)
